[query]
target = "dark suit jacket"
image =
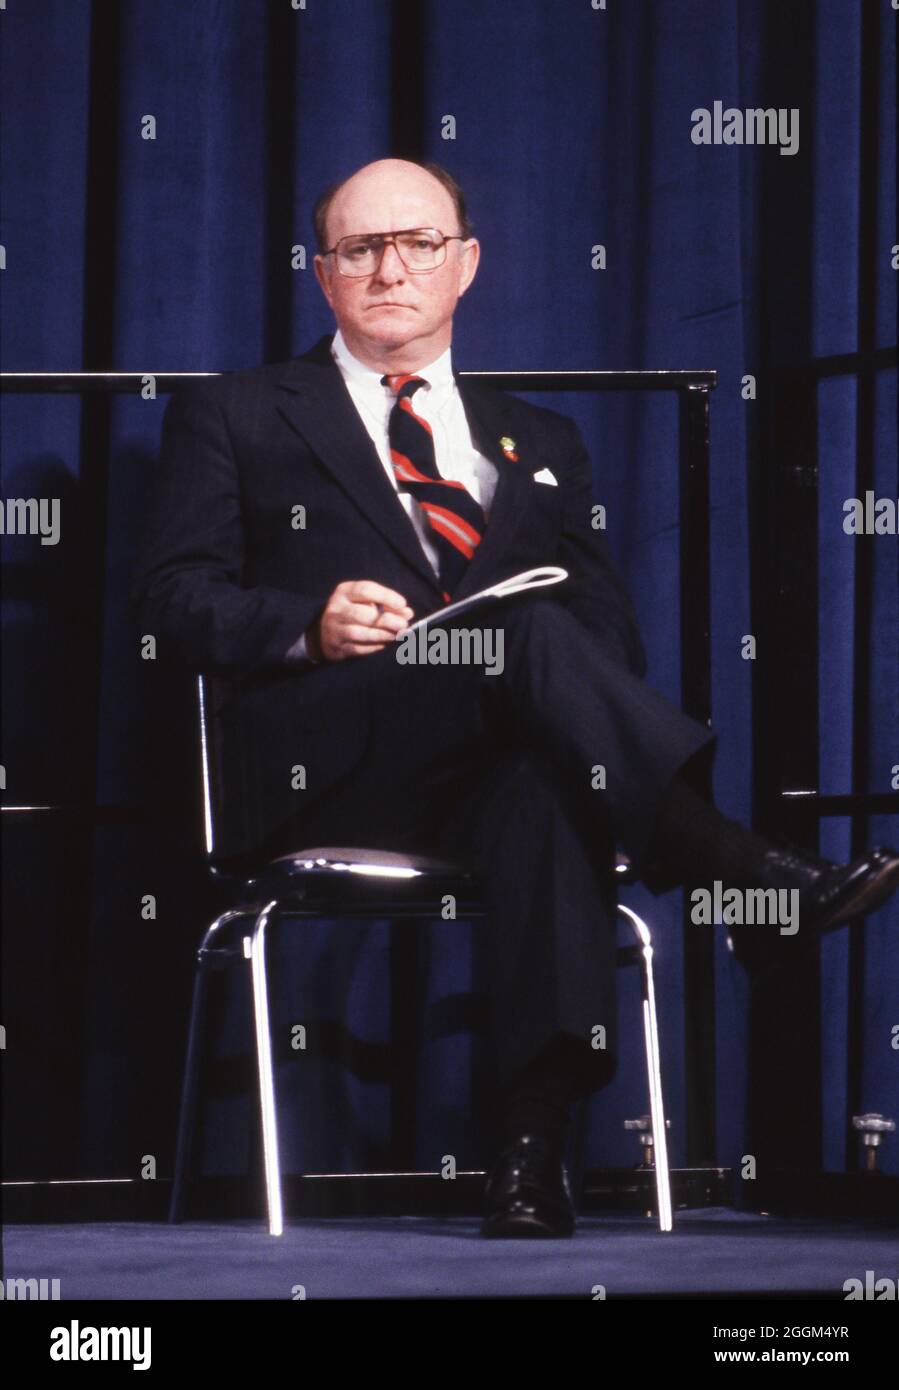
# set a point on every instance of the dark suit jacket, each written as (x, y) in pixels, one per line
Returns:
(227, 584)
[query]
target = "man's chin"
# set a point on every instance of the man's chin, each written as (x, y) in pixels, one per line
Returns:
(392, 332)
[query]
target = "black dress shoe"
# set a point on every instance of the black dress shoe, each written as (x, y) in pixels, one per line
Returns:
(527, 1193)
(829, 896)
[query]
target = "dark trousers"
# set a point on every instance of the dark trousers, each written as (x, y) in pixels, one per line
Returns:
(502, 773)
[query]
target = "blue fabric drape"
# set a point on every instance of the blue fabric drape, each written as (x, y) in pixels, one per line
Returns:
(571, 129)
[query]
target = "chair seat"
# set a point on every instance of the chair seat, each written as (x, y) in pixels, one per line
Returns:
(374, 870)
(358, 877)
(342, 858)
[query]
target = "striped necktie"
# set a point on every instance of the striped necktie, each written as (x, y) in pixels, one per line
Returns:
(456, 520)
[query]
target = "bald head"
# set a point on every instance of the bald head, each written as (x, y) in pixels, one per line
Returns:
(419, 183)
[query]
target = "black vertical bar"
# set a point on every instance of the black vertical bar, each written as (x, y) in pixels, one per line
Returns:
(785, 1049)
(408, 45)
(696, 698)
(868, 253)
(280, 231)
(785, 1082)
(83, 650)
(696, 611)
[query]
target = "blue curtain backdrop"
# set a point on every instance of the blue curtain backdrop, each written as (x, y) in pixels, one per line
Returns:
(571, 129)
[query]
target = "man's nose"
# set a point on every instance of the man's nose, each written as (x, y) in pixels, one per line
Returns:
(391, 268)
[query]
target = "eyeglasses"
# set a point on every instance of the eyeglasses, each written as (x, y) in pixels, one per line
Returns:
(420, 249)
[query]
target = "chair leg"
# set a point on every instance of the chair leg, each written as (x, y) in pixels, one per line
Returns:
(654, 1071)
(267, 1110)
(188, 1109)
(656, 1102)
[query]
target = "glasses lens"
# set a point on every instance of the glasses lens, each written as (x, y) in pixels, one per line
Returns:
(358, 255)
(422, 249)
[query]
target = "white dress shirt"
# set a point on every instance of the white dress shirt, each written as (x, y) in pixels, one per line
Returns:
(440, 403)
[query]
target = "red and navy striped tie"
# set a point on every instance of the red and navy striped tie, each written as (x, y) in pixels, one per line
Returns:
(457, 521)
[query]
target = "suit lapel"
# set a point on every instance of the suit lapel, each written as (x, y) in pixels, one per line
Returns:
(488, 415)
(317, 404)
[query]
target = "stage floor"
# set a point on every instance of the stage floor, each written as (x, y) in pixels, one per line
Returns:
(711, 1252)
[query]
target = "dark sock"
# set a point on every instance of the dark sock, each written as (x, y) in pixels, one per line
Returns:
(692, 842)
(537, 1107)
(539, 1100)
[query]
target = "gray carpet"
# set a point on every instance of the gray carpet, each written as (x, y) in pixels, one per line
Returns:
(374, 1257)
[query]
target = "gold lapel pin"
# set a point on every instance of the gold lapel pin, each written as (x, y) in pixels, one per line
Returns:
(508, 447)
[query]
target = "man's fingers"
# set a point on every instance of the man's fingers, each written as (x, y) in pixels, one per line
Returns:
(393, 623)
(369, 591)
(371, 616)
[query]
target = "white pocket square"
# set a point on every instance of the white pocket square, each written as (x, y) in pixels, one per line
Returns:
(544, 476)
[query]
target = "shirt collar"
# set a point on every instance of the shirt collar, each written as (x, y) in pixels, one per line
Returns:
(438, 374)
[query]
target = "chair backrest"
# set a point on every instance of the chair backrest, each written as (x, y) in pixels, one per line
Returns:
(205, 755)
(209, 695)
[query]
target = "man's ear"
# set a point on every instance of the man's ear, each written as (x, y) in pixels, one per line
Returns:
(471, 252)
(321, 275)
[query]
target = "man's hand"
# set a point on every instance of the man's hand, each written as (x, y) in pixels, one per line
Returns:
(360, 616)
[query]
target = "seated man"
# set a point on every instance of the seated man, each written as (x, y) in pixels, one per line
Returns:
(305, 513)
